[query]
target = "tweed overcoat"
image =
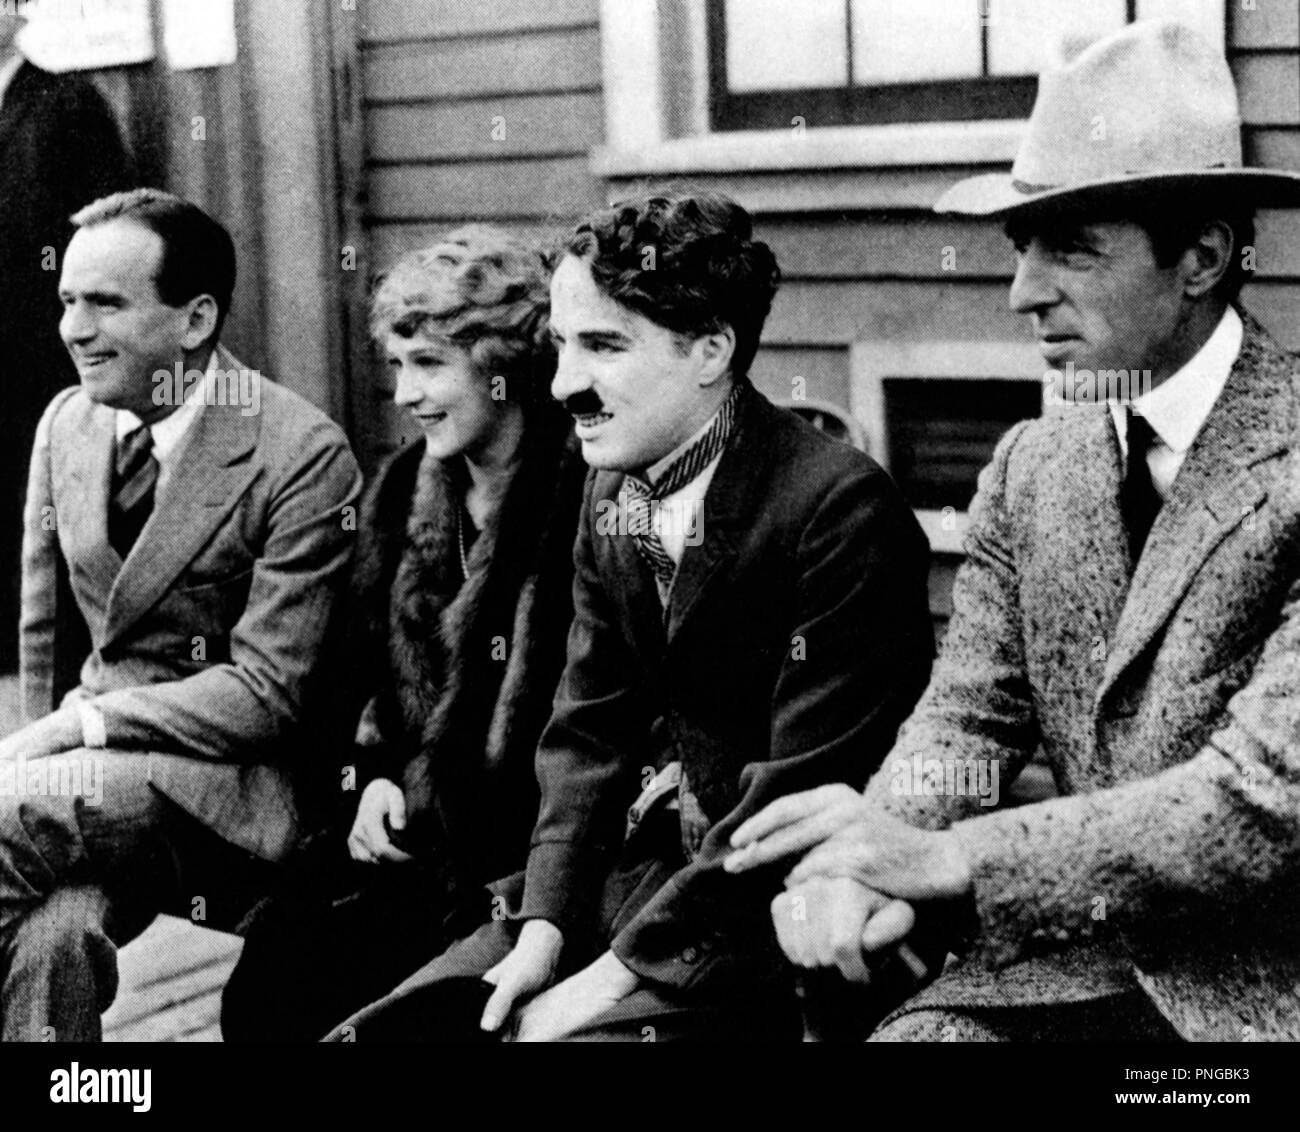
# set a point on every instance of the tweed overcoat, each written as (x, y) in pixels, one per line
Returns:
(1166, 700)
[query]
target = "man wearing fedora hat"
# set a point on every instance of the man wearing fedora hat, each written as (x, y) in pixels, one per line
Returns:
(1129, 607)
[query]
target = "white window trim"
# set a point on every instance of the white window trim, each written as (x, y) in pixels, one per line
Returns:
(638, 145)
(635, 117)
(873, 362)
(830, 147)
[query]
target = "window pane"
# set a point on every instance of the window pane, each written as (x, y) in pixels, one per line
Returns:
(915, 40)
(786, 44)
(1205, 16)
(1024, 34)
(943, 431)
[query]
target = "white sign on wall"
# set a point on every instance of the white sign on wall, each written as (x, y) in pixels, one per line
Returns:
(198, 33)
(80, 35)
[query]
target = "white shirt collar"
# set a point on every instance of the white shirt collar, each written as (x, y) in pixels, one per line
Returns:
(168, 432)
(1179, 406)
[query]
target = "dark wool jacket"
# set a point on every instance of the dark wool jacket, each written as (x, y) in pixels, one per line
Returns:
(797, 638)
(457, 679)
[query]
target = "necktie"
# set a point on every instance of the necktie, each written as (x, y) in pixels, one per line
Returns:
(638, 498)
(1139, 499)
(134, 480)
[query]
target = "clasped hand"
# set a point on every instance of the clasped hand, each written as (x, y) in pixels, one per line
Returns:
(854, 891)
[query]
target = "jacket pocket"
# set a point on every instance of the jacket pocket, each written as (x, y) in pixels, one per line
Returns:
(210, 610)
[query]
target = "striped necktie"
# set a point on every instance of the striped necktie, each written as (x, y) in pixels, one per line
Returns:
(639, 499)
(136, 475)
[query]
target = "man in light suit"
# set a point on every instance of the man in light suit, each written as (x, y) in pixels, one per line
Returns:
(1130, 605)
(751, 618)
(187, 527)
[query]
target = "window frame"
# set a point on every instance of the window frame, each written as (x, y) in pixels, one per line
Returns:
(975, 98)
(873, 362)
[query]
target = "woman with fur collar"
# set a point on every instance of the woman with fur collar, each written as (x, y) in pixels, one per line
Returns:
(460, 606)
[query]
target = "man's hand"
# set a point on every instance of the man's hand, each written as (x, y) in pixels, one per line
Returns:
(849, 839)
(569, 1005)
(794, 824)
(51, 735)
(529, 968)
(892, 857)
(382, 808)
(829, 922)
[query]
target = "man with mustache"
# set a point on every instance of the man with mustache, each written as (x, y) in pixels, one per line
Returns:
(751, 618)
(1130, 606)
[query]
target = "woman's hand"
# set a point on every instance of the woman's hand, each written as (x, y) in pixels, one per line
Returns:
(382, 808)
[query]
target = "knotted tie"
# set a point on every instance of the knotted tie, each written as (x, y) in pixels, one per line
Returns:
(1139, 499)
(639, 499)
(135, 476)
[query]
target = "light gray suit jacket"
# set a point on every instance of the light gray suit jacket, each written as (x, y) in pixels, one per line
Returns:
(201, 648)
(1168, 709)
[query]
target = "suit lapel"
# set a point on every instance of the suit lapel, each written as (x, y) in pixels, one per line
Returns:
(210, 472)
(635, 585)
(727, 505)
(1214, 491)
(1094, 513)
(83, 480)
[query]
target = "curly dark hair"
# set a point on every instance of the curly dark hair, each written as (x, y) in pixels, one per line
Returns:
(483, 289)
(686, 261)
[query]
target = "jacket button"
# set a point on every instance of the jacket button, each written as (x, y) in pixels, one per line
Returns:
(691, 955)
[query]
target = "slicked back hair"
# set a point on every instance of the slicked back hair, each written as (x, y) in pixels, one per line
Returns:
(198, 255)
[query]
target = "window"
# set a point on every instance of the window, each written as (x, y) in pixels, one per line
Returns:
(933, 413)
(773, 63)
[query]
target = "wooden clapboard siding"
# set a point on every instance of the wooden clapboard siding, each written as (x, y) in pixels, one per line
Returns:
(1269, 23)
(490, 190)
(539, 62)
(833, 191)
(866, 246)
(834, 311)
(1276, 149)
(1277, 306)
(384, 21)
(816, 372)
(485, 128)
(839, 311)
(389, 241)
(1268, 87)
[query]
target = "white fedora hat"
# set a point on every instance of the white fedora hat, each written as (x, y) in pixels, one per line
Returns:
(1152, 106)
